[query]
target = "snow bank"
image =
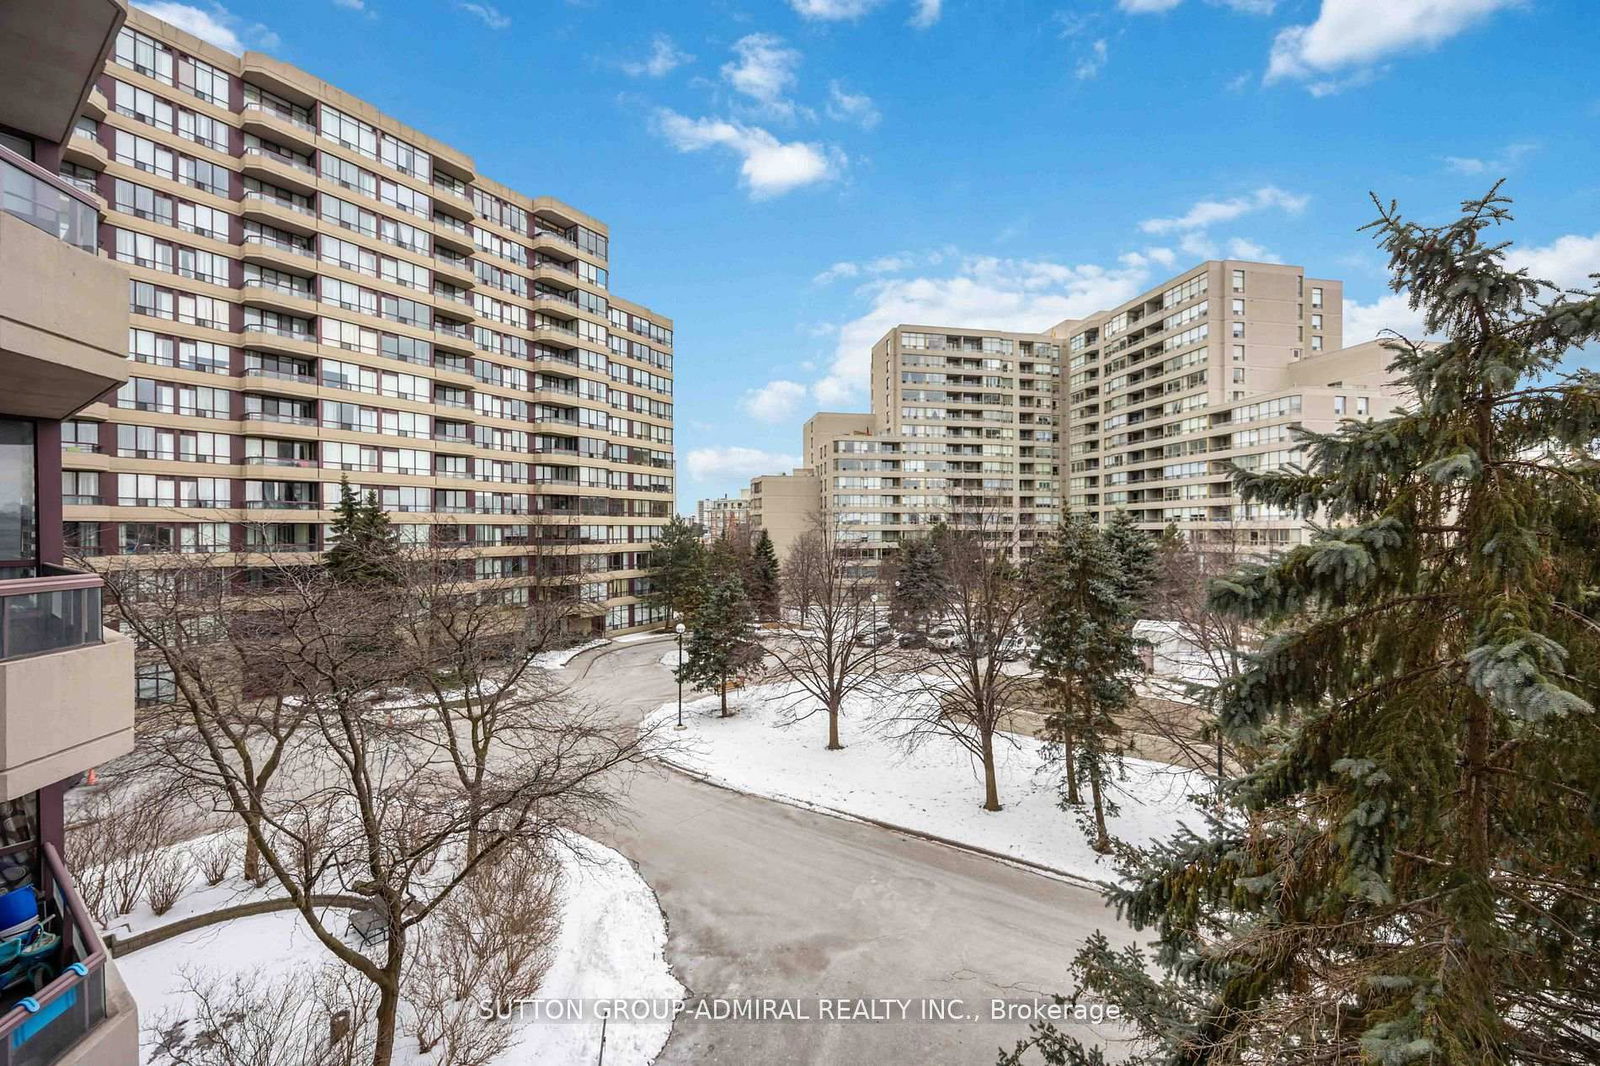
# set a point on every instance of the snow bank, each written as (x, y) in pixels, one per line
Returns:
(555, 660)
(612, 943)
(936, 788)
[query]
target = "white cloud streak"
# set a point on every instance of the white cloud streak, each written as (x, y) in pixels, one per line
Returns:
(768, 167)
(705, 464)
(664, 58)
(490, 15)
(213, 24)
(1209, 212)
(1352, 35)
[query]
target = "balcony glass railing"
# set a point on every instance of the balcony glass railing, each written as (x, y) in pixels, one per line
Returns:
(47, 609)
(47, 203)
(46, 1025)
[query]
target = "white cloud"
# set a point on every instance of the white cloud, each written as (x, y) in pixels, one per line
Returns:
(775, 401)
(925, 13)
(768, 167)
(1363, 322)
(1209, 212)
(1239, 248)
(1568, 261)
(996, 293)
(665, 57)
(1092, 64)
(1497, 165)
(852, 107)
(214, 24)
(353, 5)
(1354, 34)
(883, 264)
(833, 10)
(492, 16)
(764, 70)
(705, 464)
(1147, 7)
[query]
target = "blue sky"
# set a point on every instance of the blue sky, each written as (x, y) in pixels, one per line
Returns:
(788, 178)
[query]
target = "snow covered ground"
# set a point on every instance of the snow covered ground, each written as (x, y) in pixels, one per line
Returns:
(555, 660)
(611, 944)
(935, 789)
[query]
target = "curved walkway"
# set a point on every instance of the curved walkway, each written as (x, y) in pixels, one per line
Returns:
(764, 899)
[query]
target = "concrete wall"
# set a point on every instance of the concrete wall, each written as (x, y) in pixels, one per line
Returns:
(63, 323)
(64, 712)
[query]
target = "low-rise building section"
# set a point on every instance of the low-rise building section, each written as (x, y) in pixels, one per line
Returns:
(723, 516)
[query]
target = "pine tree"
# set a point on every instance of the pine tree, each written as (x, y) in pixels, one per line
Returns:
(1138, 557)
(364, 548)
(920, 579)
(1406, 872)
(765, 591)
(723, 642)
(1083, 628)
(677, 569)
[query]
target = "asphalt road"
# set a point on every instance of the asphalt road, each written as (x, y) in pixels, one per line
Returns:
(767, 900)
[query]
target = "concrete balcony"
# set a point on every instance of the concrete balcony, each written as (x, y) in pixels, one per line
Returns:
(63, 309)
(84, 1016)
(66, 684)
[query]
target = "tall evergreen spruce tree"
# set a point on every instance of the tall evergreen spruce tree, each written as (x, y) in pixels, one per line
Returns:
(723, 641)
(920, 579)
(1408, 871)
(764, 592)
(364, 548)
(1085, 650)
(677, 569)
(1138, 557)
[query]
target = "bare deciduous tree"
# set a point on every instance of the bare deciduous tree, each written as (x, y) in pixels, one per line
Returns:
(828, 643)
(363, 796)
(962, 687)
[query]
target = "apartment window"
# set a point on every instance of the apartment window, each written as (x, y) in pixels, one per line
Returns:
(143, 105)
(80, 436)
(144, 54)
(1295, 354)
(1238, 329)
(81, 537)
(1238, 375)
(204, 81)
(1238, 281)
(1316, 344)
(1338, 405)
(1238, 308)
(1238, 353)
(1316, 296)
(80, 487)
(1316, 322)
(1361, 406)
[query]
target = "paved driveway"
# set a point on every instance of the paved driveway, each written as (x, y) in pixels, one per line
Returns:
(763, 899)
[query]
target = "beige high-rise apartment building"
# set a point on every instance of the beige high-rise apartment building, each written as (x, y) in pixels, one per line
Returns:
(320, 292)
(1210, 368)
(963, 430)
(971, 427)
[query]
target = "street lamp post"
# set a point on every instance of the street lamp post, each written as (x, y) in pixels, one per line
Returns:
(679, 631)
(874, 634)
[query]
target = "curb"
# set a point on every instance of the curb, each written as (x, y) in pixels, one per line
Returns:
(1026, 865)
(119, 945)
